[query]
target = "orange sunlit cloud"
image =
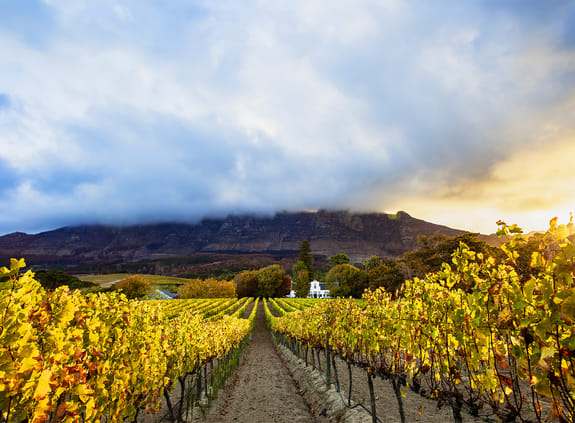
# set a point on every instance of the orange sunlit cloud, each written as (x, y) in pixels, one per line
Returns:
(529, 188)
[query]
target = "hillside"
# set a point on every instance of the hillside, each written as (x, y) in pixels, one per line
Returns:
(358, 235)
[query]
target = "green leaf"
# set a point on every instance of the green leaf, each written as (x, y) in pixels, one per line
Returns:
(528, 289)
(568, 308)
(569, 251)
(569, 343)
(514, 229)
(547, 352)
(547, 289)
(543, 387)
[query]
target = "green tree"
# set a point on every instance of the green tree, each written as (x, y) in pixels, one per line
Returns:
(523, 262)
(338, 259)
(345, 280)
(134, 287)
(270, 280)
(306, 257)
(52, 279)
(385, 272)
(434, 250)
(247, 283)
(301, 279)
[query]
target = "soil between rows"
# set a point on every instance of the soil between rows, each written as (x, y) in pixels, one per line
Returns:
(262, 390)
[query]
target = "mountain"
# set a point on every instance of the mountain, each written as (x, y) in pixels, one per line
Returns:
(359, 235)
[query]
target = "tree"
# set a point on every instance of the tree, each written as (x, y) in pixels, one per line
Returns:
(306, 257)
(301, 280)
(208, 288)
(525, 250)
(385, 272)
(345, 280)
(52, 279)
(285, 287)
(338, 259)
(434, 250)
(270, 281)
(134, 286)
(247, 283)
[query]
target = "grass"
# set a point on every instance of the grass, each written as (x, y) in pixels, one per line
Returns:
(157, 280)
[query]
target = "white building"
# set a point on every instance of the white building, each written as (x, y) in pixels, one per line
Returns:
(160, 294)
(316, 290)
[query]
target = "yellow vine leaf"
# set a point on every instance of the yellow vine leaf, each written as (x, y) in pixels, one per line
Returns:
(28, 363)
(42, 411)
(16, 264)
(43, 388)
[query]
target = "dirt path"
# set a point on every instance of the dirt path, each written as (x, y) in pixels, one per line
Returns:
(249, 309)
(262, 389)
(109, 284)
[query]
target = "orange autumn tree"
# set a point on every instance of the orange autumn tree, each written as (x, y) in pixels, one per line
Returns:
(134, 286)
(208, 288)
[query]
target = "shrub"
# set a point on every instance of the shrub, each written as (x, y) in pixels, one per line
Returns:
(207, 288)
(134, 287)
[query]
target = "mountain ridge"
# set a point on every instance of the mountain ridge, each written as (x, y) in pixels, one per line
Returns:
(359, 235)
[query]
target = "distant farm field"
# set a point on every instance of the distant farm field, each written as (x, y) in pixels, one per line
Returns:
(114, 277)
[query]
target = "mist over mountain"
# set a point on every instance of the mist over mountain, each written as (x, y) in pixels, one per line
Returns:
(359, 235)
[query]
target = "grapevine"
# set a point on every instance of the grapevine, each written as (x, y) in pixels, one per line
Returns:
(65, 356)
(473, 334)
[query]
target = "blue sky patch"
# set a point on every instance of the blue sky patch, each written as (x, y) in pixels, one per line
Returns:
(4, 101)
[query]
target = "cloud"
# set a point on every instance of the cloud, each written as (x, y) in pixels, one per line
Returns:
(139, 110)
(529, 188)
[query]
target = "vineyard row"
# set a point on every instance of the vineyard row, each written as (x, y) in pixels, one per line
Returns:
(66, 356)
(475, 335)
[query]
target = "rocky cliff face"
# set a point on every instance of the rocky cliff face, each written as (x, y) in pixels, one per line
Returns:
(358, 235)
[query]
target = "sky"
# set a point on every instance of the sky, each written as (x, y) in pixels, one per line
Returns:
(121, 112)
